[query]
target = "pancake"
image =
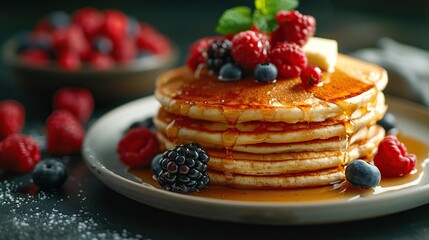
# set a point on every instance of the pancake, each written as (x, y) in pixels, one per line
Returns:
(286, 100)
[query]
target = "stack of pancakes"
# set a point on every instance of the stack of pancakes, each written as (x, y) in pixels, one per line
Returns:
(277, 135)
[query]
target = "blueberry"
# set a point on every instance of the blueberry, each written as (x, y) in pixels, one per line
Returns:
(147, 123)
(49, 174)
(27, 41)
(59, 19)
(230, 72)
(102, 44)
(362, 174)
(132, 27)
(265, 72)
(155, 166)
(388, 122)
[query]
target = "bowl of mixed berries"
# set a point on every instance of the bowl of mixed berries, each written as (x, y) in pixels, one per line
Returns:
(112, 54)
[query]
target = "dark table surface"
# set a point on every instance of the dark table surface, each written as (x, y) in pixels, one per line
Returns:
(87, 209)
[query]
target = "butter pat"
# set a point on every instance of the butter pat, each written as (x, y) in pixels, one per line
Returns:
(322, 52)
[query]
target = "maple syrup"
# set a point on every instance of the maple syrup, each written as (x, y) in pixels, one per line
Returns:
(338, 191)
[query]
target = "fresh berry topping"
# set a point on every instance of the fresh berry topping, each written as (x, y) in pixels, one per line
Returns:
(293, 28)
(362, 174)
(64, 133)
(146, 123)
(155, 167)
(184, 169)
(35, 57)
(18, 153)
(49, 174)
(12, 117)
(230, 72)
(101, 61)
(198, 53)
(151, 40)
(59, 19)
(102, 45)
(250, 48)
(218, 53)
(289, 59)
(392, 158)
(265, 72)
(311, 75)
(90, 20)
(388, 122)
(77, 101)
(69, 61)
(138, 147)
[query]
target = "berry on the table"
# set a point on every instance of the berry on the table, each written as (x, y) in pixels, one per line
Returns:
(12, 117)
(388, 122)
(218, 53)
(19, 153)
(155, 167)
(102, 45)
(64, 133)
(362, 174)
(101, 61)
(138, 147)
(49, 174)
(59, 19)
(293, 28)
(250, 48)
(392, 158)
(184, 169)
(78, 101)
(289, 59)
(230, 72)
(198, 53)
(265, 72)
(311, 75)
(69, 61)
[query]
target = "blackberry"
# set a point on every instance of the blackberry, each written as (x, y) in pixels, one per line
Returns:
(184, 169)
(218, 53)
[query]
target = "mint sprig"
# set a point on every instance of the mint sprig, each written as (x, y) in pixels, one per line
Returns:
(240, 18)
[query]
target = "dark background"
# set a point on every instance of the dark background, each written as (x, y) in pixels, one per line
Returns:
(354, 24)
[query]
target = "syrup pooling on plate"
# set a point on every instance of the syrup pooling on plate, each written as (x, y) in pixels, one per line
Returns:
(337, 191)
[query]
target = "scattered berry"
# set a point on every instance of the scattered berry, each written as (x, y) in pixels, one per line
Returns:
(69, 61)
(392, 158)
(146, 123)
(362, 174)
(293, 28)
(64, 133)
(77, 101)
(311, 75)
(18, 153)
(184, 169)
(138, 147)
(388, 122)
(155, 166)
(218, 53)
(198, 53)
(250, 48)
(49, 174)
(289, 59)
(265, 72)
(230, 72)
(12, 117)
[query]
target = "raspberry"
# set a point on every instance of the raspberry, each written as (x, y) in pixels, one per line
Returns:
(101, 61)
(184, 169)
(138, 147)
(90, 20)
(19, 153)
(289, 59)
(198, 53)
(71, 38)
(77, 101)
(12, 117)
(392, 158)
(293, 27)
(35, 57)
(69, 61)
(64, 133)
(218, 53)
(250, 48)
(114, 25)
(311, 75)
(124, 51)
(149, 39)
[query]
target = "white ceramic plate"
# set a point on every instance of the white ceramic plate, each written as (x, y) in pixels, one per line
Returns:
(99, 153)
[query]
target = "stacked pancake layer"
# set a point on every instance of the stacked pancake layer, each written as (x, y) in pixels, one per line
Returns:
(277, 135)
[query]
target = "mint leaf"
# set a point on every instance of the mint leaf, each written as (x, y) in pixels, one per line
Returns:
(265, 23)
(270, 7)
(235, 20)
